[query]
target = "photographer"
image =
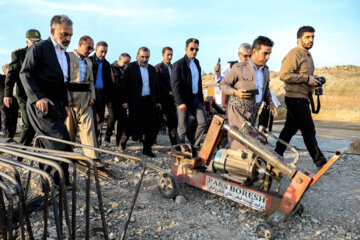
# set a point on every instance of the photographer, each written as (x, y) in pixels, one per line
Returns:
(297, 72)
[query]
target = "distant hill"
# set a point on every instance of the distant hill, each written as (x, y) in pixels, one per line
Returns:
(341, 99)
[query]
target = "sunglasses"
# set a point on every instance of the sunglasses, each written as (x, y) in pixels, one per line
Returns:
(246, 55)
(89, 48)
(192, 49)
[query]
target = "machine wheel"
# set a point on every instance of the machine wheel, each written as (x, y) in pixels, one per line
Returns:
(264, 230)
(168, 185)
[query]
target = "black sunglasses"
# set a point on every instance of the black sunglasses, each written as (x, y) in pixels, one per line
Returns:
(89, 48)
(196, 49)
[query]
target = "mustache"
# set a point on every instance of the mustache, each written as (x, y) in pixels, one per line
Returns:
(65, 43)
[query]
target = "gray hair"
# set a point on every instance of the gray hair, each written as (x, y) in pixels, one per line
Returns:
(124, 55)
(5, 66)
(244, 47)
(60, 19)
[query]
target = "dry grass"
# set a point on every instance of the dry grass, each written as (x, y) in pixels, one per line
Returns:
(341, 99)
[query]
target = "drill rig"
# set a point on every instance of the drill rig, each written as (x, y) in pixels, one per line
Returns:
(250, 177)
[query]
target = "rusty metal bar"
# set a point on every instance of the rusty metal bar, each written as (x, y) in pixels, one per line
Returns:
(45, 176)
(134, 201)
(66, 207)
(9, 221)
(264, 153)
(12, 180)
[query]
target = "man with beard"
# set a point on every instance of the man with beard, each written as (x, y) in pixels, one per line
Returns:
(43, 74)
(297, 72)
(163, 70)
(243, 76)
(81, 97)
(140, 93)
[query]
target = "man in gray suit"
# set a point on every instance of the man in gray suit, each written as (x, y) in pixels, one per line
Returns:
(244, 76)
(44, 75)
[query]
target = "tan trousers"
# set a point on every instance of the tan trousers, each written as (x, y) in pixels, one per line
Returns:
(83, 120)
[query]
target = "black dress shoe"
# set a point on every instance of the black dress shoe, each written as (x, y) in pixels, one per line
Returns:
(107, 138)
(149, 153)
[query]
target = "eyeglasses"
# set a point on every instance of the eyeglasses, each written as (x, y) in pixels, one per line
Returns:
(192, 49)
(90, 48)
(246, 55)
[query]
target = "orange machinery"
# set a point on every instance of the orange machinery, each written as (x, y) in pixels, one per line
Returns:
(250, 177)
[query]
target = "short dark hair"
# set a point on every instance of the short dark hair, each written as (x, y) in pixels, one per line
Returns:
(101, 43)
(84, 39)
(166, 48)
(60, 19)
(124, 55)
(190, 40)
(303, 30)
(262, 41)
(145, 49)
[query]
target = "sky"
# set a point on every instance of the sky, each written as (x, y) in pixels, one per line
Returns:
(221, 26)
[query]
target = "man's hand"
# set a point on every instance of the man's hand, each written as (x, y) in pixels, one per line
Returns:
(241, 93)
(182, 107)
(125, 105)
(70, 104)
(312, 81)
(8, 101)
(217, 69)
(43, 105)
(91, 102)
(273, 109)
(158, 107)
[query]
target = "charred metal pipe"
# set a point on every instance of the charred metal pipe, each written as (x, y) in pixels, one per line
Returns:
(10, 210)
(12, 180)
(134, 200)
(45, 176)
(66, 206)
(268, 156)
(21, 197)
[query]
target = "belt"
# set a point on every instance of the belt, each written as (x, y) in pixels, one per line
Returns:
(78, 87)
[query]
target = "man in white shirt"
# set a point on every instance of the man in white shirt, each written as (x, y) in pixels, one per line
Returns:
(244, 54)
(140, 94)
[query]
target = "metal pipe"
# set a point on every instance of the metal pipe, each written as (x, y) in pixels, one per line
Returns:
(46, 176)
(259, 149)
(19, 193)
(59, 159)
(134, 200)
(9, 196)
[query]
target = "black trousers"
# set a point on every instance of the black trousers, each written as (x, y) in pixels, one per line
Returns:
(119, 116)
(170, 113)
(10, 118)
(143, 121)
(99, 113)
(299, 117)
(27, 131)
(51, 124)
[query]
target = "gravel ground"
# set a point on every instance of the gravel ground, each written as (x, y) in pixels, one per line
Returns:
(331, 206)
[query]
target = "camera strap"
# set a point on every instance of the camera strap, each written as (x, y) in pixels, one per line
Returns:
(313, 105)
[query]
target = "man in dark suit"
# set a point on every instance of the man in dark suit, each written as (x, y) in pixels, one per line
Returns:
(140, 93)
(102, 77)
(17, 58)
(187, 88)
(9, 114)
(44, 74)
(116, 111)
(163, 71)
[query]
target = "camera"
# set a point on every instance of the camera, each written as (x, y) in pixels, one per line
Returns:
(318, 88)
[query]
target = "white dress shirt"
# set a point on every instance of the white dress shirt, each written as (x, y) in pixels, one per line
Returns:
(145, 80)
(194, 76)
(60, 53)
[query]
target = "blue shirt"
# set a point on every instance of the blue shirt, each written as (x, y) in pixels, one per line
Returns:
(259, 81)
(99, 83)
(82, 68)
(195, 76)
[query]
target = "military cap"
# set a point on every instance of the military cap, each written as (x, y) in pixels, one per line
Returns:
(34, 35)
